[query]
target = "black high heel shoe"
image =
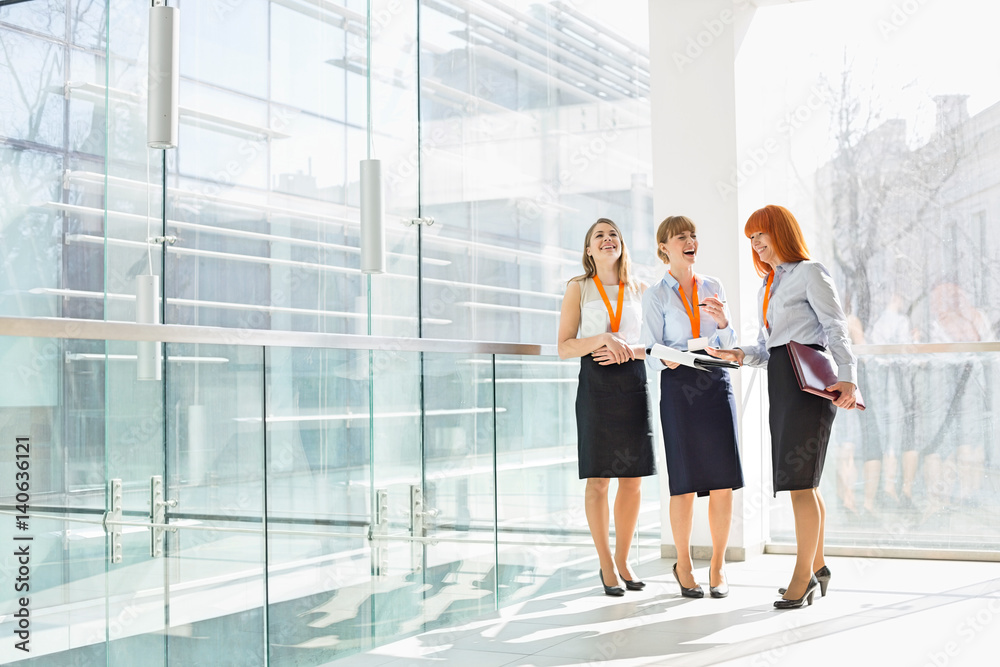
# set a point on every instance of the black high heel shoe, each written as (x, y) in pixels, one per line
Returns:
(720, 591)
(807, 597)
(616, 591)
(695, 592)
(633, 585)
(822, 576)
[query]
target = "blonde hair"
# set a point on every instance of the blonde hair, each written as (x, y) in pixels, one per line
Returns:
(624, 262)
(668, 229)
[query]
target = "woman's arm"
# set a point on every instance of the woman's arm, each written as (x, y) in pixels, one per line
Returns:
(569, 325)
(725, 335)
(652, 328)
(821, 294)
(640, 349)
(757, 354)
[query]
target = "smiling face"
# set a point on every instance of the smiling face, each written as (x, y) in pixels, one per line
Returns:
(681, 249)
(761, 243)
(604, 243)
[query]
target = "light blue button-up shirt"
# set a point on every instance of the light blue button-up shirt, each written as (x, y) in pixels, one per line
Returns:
(665, 320)
(804, 307)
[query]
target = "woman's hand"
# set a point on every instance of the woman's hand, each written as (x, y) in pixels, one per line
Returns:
(604, 356)
(670, 364)
(846, 399)
(735, 354)
(614, 351)
(715, 308)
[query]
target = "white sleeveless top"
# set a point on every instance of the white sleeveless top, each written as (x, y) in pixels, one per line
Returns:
(594, 318)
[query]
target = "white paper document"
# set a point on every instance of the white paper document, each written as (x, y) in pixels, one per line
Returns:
(698, 361)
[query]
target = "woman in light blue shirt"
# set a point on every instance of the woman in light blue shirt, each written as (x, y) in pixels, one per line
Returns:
(797, 302)
(687, 311)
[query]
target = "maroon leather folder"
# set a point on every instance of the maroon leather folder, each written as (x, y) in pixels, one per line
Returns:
(815, 371)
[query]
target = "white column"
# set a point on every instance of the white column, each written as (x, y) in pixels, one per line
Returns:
(693, 45)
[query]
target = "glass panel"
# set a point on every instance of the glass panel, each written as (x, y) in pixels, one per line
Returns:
(320, 591)
(879, 141)
(29, 240)
(397, 602)
(263, 187)
(214, 559)
(45, 16)
(459, 499)
(54, 455)
(134, 450)
(391, 136)
(225, 44)
(34, 68)
(918, 468)
(535, 122)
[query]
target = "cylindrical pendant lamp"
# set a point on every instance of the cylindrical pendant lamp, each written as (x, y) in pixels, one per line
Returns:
(147, 311)
(164, 72)
(372, 224)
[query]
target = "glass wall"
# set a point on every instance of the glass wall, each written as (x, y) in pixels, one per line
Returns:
(882, 141)
(254, 483)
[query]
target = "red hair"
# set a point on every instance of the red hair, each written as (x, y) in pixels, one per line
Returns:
(787, 241)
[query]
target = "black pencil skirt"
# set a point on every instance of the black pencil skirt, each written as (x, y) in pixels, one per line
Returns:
(800, 426)
(614, 420)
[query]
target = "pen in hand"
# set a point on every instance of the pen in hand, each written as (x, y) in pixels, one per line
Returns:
(702, 304)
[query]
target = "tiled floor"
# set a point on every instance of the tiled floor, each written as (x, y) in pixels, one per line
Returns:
(877, 612)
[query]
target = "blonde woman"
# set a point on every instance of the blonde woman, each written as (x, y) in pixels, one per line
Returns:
(601, 323)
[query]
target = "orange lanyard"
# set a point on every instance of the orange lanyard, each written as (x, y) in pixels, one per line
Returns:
(616, 318)
(695, 315)
(767, 297)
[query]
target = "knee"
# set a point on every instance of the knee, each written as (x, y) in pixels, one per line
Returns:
(630, 485)
(597, 486)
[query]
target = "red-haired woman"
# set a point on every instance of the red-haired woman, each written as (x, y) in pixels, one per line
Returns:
(601, 322)
(797, 302)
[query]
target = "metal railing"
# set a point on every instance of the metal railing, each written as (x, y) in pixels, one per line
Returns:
(56, 327)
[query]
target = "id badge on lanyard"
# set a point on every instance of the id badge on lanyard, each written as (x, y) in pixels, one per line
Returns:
(694, 315)
(766, 329)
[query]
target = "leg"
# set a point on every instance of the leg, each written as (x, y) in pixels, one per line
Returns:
(808, 517)
(626, 517)
(846, 473)
(720, 517)
(889, 476)
(910, 460)
(971, 459)
(873, 470)
(819, 561)
(681, 521)
(596, 506)
(934, 484)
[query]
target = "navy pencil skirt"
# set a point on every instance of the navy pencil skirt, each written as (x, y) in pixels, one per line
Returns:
(698, 417)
